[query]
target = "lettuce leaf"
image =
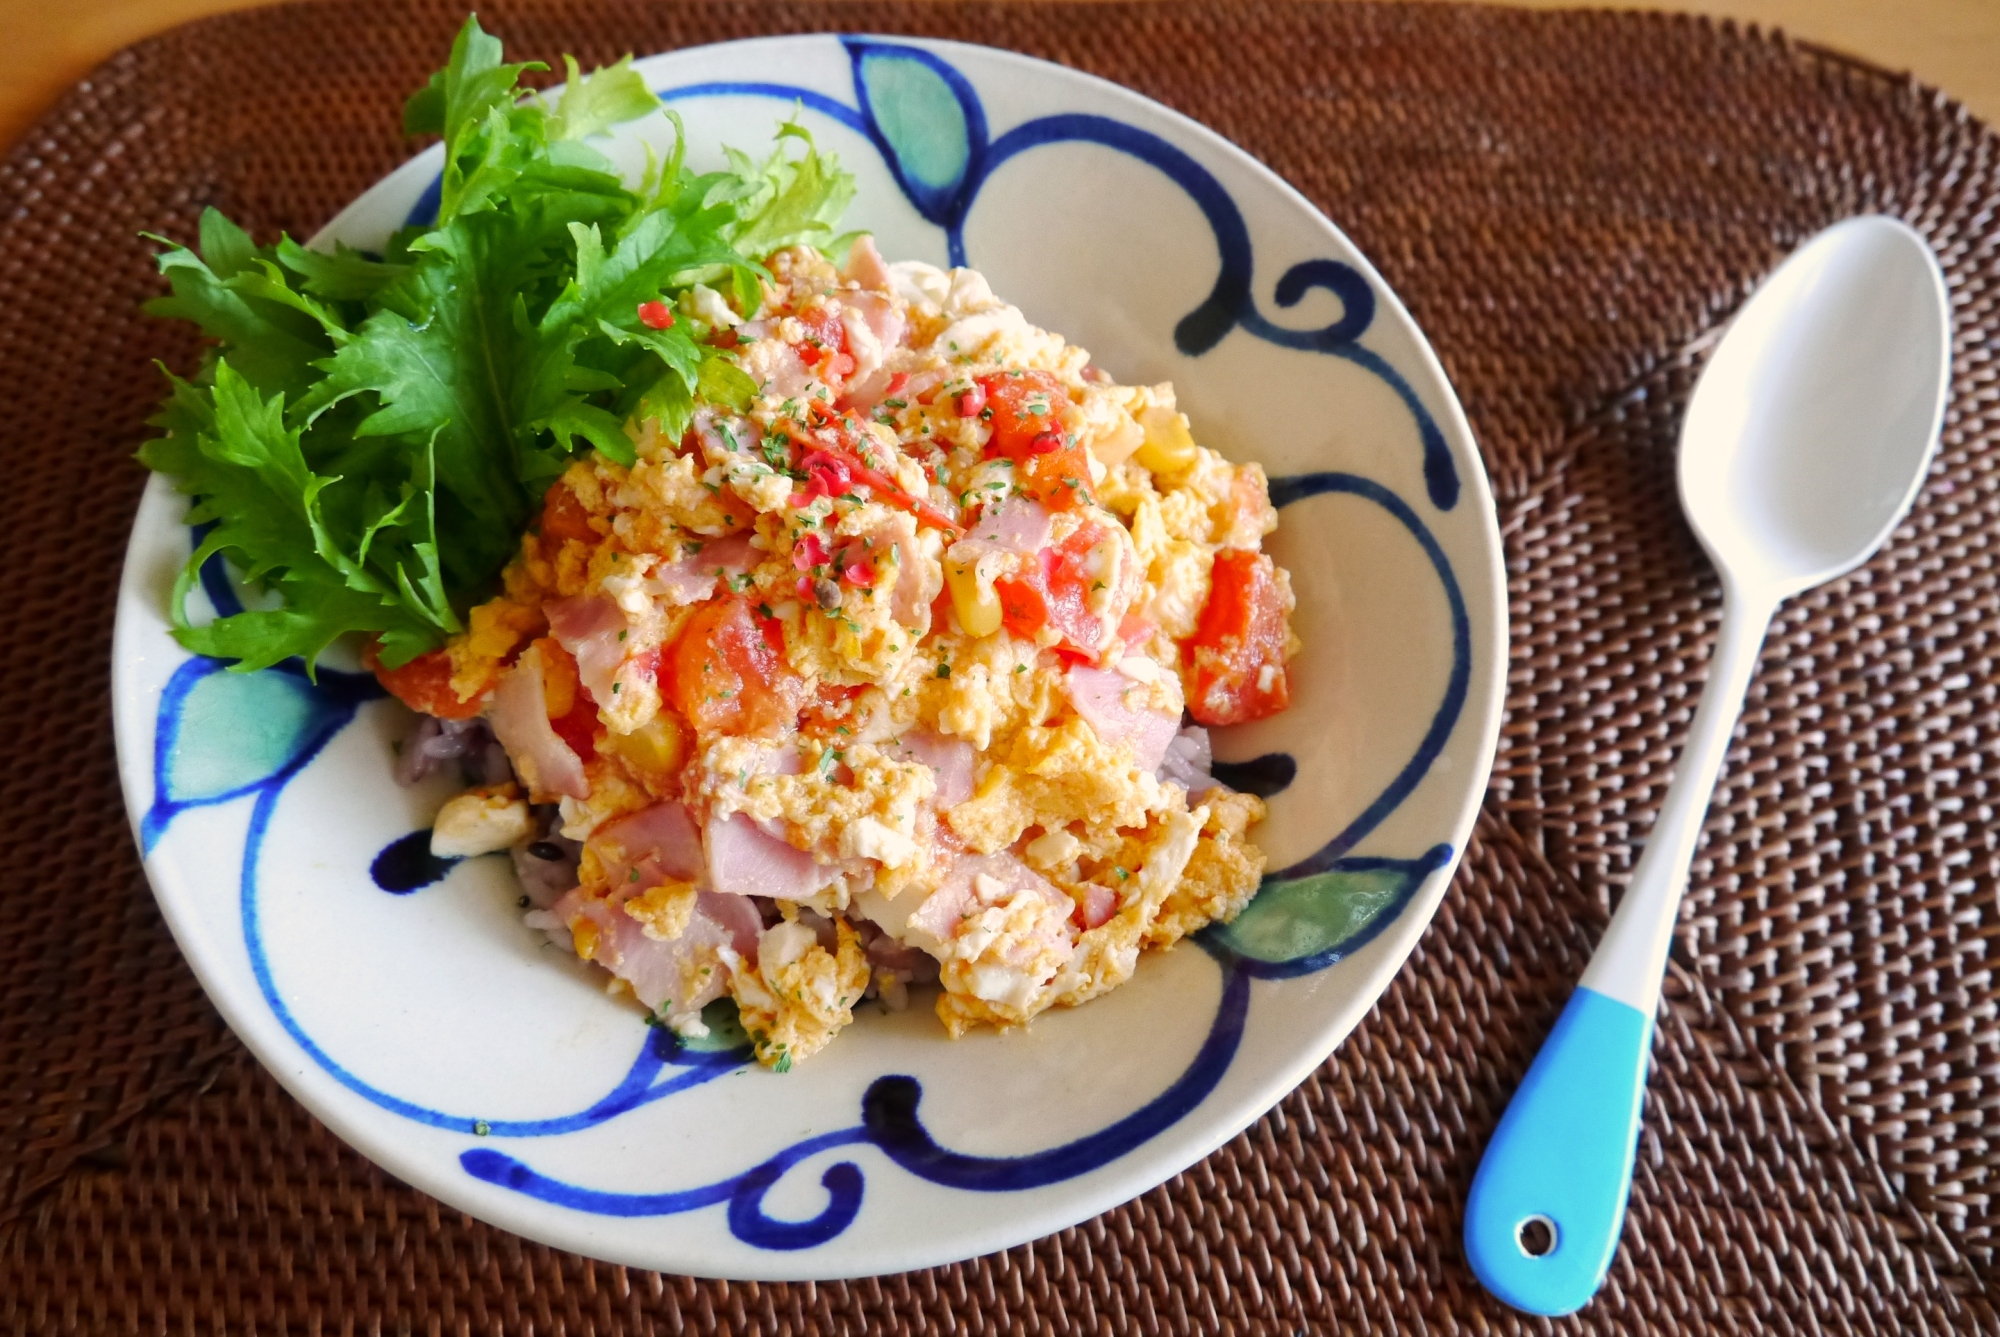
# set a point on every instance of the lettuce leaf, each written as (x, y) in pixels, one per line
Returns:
(368, 436)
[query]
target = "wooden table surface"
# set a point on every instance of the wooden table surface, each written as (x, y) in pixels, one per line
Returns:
(1951, 44)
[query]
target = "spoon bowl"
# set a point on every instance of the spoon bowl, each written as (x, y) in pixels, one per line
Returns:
(1812, 428)
(1805, 443)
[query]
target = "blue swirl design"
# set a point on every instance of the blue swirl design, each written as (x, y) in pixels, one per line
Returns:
(222, 736)
(407, 864)
(642, 1084)
(890, 1124)
(926, 120)
(1285, 491)
(928, 124)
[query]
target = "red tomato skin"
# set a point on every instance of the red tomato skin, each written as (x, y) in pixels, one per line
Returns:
(1024, 608)
(726, 672)
(1048, 465)
(564, 519)
(423, 684)
(1059, 479)
(941, 609)
(824, 329)
(579, 727)
(1007, 397)
(1055, 593)
(825, 346)
(1241, 631)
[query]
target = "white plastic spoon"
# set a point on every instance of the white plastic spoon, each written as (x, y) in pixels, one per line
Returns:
(1804, 445)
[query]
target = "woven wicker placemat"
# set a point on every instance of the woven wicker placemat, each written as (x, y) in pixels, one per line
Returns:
(1570, 204)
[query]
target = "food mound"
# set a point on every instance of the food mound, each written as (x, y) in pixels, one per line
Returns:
(808, 633)
(883, 678)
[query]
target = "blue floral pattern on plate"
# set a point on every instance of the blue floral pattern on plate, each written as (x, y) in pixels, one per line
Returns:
(222, 736)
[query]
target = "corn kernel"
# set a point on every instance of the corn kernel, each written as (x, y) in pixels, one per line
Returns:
(977, 606)
(655, 749)
(1169, 446)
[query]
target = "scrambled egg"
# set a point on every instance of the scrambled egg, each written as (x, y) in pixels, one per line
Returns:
(798, 995)
(899, 577)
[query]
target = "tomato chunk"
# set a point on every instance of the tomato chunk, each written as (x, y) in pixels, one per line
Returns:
(1059, 479)
(1026, 413)
(1023, 406)
(825, 331)
(824, 348)
(1235, 661)
(727, 672)
(423, 684)
(1055, 592)
(572, 714)
(564, 519)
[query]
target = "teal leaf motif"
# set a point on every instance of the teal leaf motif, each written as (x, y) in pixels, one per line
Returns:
(1300, 924)
(924, 118)
(725, 1030)
(222, 734)
(236, 729)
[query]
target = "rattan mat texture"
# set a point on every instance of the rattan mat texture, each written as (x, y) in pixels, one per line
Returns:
(1571, 204)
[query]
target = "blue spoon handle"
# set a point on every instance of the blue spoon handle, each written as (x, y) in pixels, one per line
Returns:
(1561, 1160)
(1559, 1168)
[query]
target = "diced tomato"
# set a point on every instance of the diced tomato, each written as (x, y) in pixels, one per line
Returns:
(1248, 510)
(1055, 592)
(727, 672)
(941, 608)
(1026, 411)
(1059, 479)
(1241, 634)
(1136, 629)
(1024, 604)
(824, 328)
(423, 684)
(578, 728)
(972, 401)
(563, 517)
(825, 347)
(656, 316)
(1014, 398)
(830, 705)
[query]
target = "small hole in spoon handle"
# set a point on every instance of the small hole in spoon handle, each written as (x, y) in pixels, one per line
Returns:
(1537, 1236)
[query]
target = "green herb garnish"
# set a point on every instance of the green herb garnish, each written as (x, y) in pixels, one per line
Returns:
(368, 437)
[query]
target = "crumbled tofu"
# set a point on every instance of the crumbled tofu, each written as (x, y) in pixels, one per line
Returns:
(480, 821)
(887, 555)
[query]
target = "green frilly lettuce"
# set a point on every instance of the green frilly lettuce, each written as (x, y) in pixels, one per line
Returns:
(368, 436)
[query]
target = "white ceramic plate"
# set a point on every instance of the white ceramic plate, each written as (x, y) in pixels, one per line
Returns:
(435, 1033)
